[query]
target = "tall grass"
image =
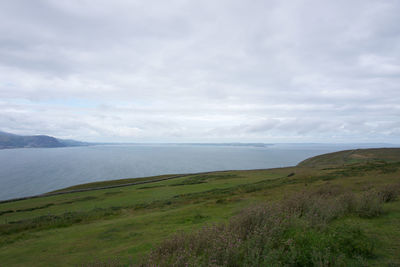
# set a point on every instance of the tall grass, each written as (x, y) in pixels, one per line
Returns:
(293, 232)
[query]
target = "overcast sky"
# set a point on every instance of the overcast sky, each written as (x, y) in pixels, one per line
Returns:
(201, 71)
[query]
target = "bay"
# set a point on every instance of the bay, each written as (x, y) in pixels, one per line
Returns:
(31, 171)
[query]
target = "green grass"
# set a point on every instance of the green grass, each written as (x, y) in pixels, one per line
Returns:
(355, 156)
(127, 222)
(298, 231)
(114, 183)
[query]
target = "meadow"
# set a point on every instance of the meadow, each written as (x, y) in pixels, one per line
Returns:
(335, 209)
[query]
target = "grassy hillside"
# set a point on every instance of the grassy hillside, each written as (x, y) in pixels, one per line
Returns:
(122, 225)
(116, 183)
(355, 156)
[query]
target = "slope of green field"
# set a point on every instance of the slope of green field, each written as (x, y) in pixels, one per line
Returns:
(355, 156)
(117, 182)
(127, 222)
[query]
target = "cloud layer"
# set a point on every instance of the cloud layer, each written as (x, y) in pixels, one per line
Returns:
(184, 71)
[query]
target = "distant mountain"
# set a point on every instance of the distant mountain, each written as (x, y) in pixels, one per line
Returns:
(9, 140)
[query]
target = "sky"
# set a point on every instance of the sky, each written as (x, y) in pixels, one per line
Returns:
(201, 71)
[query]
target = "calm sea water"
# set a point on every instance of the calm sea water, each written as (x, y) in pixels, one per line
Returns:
(30, 171)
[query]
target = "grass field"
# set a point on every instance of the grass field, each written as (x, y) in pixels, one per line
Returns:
(122, 225)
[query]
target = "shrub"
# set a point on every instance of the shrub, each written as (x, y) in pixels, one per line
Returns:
(329, 190)
(288, 233)
(293, 232)
(347, 202)
(389, 193)
(370, 204)
(321, 206)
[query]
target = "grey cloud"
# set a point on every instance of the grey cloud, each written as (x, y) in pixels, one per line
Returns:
(193, 70)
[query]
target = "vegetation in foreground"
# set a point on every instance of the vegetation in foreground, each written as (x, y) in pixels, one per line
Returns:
(293, 232)
(334, 210)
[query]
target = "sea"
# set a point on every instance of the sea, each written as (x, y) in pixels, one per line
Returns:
(31, 171)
